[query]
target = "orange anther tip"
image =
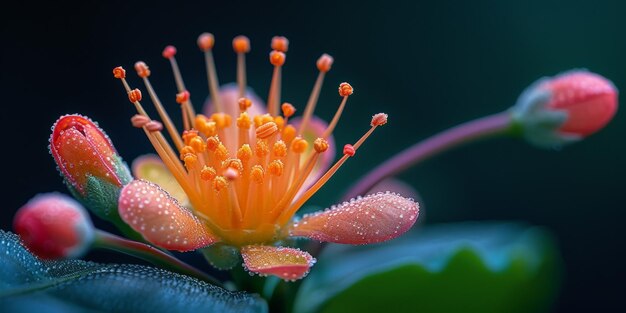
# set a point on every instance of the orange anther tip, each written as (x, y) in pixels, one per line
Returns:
(119, 72)
(139, 120)
(345, 89)
(182, 97)
(142, 69)
(231, 173)
(299, 145)
(219, 183)
(349, 150)
(169, 52)
(154, 126)
(320, 145)
(280, 43)
(277, 58)
(379, 119)
(244, 103)
(256, 173)
(206, 41)
(241, 44)
(207, 173)
(324, 63)
(266, 130)
(275, 168)
(288, 109)
(134, 95)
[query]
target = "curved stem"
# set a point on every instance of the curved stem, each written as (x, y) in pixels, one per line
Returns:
(488, 126)
(151, 254)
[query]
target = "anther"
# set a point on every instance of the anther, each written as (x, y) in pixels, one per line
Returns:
(207, 173)
(169, 52)
(289, 133)
(277, 58)
(288, 109)
(275, 168)
(233, 163)
(182, 97)
(280, 149)
(243, 121)
(348, 150)
(190, 160)
(188, 135)
(220, 183)
(261, 149)
(206, 41)
(244, 104)
(186, 150)
(119, 72)
(324, 63)
(221, 120)
(257, 174)
(241, 44)
(139, 120)
(266, 130)
(212, 143)
(345, 89)
(280, 43)
(154, 126)
(197, 144)
(134, 95)
(299, 145)
(379, 119)
(142, 69)
(244, 153)
(320, 145)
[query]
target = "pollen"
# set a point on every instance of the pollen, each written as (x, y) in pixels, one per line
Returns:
(379, 119)
(207, 173)
(119, 72)
(275, 168)
(345, 89)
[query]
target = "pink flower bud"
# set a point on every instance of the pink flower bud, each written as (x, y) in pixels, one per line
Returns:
(565, 108)
(54, 226)
(589, 99)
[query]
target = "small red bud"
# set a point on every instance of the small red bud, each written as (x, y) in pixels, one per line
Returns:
(54, 226)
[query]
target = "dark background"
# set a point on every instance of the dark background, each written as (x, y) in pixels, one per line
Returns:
(429, 65)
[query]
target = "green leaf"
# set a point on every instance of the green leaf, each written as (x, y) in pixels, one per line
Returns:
(28, 284)
(469, 267)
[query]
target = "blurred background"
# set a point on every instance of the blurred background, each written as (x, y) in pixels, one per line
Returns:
(429, 65)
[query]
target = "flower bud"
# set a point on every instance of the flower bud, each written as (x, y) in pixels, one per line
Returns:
(54, 226)
(87, 160)
(565, 108)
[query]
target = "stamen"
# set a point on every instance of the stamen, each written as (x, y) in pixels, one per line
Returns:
(119, 72)
(134, 95)
(280, 43)
(241, 45)
(277, 59)
(349, 150)
(345, 90)
(139, 121)
(244, 123)
(206, 42)
(208, 173)
(323, 64)
(154, 126)
(170, 53)
(289, 133)
(144, 72)
(182, 98)
(280, 149)
(244, 153)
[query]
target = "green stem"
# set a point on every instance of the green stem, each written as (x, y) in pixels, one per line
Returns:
(151, 254)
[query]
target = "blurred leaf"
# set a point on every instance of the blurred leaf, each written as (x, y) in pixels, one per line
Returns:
(468, 267)
(28, 284)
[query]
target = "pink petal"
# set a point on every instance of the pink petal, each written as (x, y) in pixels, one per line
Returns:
(374, 218)
(156, 215)
(286, 263)
(397, 186)
(315, 129)
(150, 167)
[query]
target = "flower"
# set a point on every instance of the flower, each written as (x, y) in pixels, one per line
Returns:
(54, 226)
(89, 164)
(238, 175)
(565, 108)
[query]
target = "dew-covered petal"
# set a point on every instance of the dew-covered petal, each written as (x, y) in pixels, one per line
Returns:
(315, 128)
(374, 218)
(285, 263)
(160, 219)
(150, 167)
